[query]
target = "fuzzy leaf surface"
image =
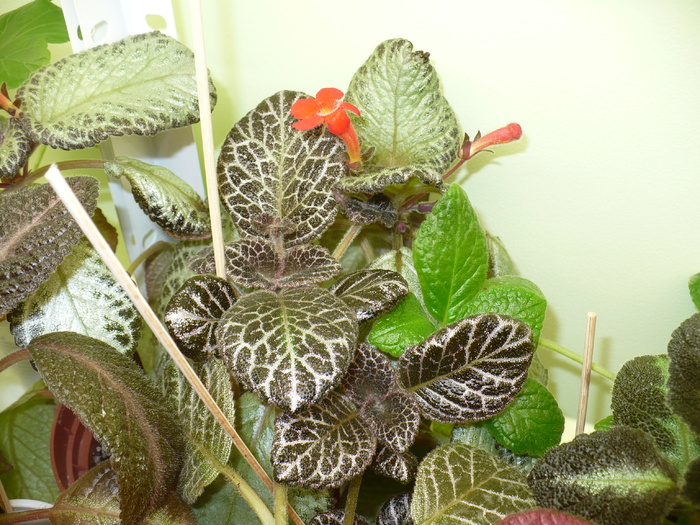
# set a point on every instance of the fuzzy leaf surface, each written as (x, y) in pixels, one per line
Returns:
(396, 511)
(36, 233)
(684, 370)
(394, 88)
(510, 295)
(406, 325)
(81, 296)
(167, 199)
(614, 477)
(371, 292)
(94, 500)
(542, 517)
(457, 483)
(207, 445)
(401, 262)
(292, 347)
(399, 466)
(14, 149)
(532, 424)
(336, 517)
(25, 34)
(253, 263)
(25, 431)
(193, 314)
(469, 370)
(115, 399)
(275, 179)
(140, 85)
(450, 256)
(639, 401)
(694, 288)
(323, 445)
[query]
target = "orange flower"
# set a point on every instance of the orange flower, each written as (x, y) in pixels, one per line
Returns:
(502, 135)
(328, 108)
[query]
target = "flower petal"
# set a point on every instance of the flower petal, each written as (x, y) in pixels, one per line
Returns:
(329, 98)
(350, 107)
(305, 108)
(308, 123)
(338, 122)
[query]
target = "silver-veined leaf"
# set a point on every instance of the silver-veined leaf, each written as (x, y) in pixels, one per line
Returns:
(394, 418)
(461, 484)
(81, 296)
(371, 292)
(395, 88)
(401, 262)
(399, 466)
(14, 149)
(140, 85)
(369, 376)
(336, 517)
(115, 399)
(276, 180)
(470, 370)
(194, 312)
(94, 500)
(36, 233)
(167, 199)
(323, 445)
(292, 347)
(254, 263)
(207, 445)
(396, 511)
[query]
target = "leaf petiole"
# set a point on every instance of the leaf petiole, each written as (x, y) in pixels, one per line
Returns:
(554, 347)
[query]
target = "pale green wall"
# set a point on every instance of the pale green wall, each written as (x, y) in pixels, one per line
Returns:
(598, 204)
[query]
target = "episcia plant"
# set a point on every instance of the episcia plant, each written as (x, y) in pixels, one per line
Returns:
(370, 343)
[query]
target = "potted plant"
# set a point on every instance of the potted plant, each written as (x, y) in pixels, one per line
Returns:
(366, 349)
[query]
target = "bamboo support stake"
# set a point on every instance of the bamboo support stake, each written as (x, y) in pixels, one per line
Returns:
(65, 193)
(586, 373)
(207, 137)
(4, 501)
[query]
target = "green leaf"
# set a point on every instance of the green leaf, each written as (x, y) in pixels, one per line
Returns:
(24, 35)
(404, 326)
(614, 477)
(14, 149)
(207, 445)
(140, 85)
(276, 180)
(323, 445)
(290, 348)
(94, 500)
(25, 431)
(37, 232)
(542, 517)
(394, 88)
(450, 256)
(457, 483)
(254, 263)
(114, 398)
(194, 312)
(81, 296)
(470, 370)
(694, 287)
(639, 401)
(531, 424)
(684, 370)
(370, 292)
(167, 200)
(500, 263)
(604, 424)
(513, 296)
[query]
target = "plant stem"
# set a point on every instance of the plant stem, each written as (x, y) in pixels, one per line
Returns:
(280, 495)
(351, 499)
(152, 249)
(346, 241)
(554, 347)
(24, 516)
(249, 495)
(14, 357)
(70, 165)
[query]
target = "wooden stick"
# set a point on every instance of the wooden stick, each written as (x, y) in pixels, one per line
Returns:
(205, 126)
(586, 374)
(4, 501)
(65, 193)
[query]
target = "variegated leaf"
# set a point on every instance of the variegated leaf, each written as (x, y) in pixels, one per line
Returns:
(36, 233)
(81, 296)
(336, 517)
(290, 347)
(470, 370)
(371, 292)
(167, 199)
(396, 511)
(369, 376)
(321, 446)
(394, 419)
(207, 446)
(397, 85)
(276, 180)
(14, 149)
(377, 208)
(140, 85)
(400, 466)
(253, 263)
(194, 312)
(401, 262)
(457, 483)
